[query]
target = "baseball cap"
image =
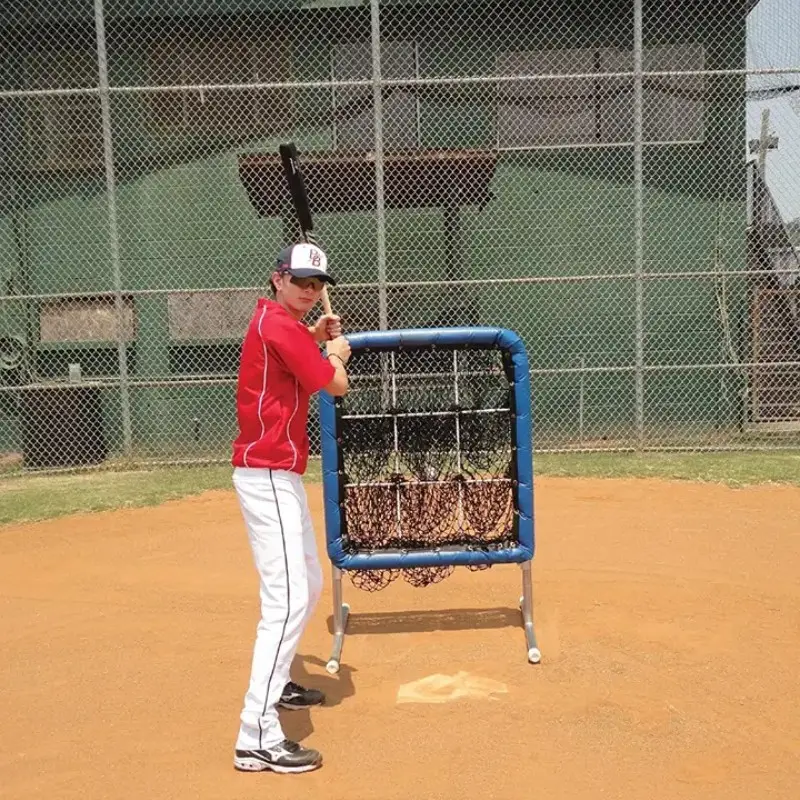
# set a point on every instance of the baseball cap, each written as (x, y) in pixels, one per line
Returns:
(304, 260)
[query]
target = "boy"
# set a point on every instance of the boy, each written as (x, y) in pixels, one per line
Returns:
(281, 366)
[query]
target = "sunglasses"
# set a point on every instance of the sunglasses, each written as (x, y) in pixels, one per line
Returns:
(305, 283)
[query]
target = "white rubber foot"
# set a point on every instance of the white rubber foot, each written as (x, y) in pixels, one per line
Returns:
(332, 667)
(534, 656)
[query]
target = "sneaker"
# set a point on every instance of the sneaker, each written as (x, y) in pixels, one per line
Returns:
(295, 696)
(286, 756)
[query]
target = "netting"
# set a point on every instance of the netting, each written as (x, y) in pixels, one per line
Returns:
(427, 456)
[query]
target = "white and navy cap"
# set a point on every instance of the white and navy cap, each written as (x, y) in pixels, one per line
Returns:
(304, 260)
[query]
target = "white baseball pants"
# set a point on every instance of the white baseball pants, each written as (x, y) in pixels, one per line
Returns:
(281, 533)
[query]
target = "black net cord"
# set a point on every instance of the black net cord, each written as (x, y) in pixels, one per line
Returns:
(426, 462)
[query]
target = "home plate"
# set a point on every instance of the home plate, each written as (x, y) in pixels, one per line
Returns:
(446, 688)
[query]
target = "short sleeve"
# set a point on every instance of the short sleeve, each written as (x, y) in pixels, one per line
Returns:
(302, 357)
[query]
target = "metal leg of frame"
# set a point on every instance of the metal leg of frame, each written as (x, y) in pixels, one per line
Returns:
(340, 613)
(526, 606)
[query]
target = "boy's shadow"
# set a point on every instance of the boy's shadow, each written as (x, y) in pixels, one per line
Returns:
(297, 724)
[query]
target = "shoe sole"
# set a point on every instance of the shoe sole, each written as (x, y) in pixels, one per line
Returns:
(256, 765)
(292, 707)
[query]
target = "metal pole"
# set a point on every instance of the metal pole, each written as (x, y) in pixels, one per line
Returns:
(581, 399)
(113, 232)
(341, 612)
(21, 283)
(380, 213)
(763, 144)
(638, 212)
(417, 107)
(380, 216)
(334, 132)
(526, 606)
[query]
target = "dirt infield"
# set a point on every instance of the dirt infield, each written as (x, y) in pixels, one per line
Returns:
(668, 615)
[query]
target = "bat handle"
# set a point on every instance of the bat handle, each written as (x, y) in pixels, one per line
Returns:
(326, 303)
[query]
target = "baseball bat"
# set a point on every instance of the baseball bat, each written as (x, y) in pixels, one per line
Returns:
(297, 189)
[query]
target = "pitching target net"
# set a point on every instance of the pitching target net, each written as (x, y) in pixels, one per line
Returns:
(426, 460)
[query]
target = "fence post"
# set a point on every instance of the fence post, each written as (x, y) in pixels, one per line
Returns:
(638, 213)
(113, 231)
(380, 216)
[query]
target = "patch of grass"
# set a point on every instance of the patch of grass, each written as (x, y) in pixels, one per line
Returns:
(27, 498)
(35, 497)
(30, 498)
(731, 468)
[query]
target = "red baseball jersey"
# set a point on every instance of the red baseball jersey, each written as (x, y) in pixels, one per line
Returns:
(281, 366)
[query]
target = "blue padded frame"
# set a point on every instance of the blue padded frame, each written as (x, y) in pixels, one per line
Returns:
(486, 337)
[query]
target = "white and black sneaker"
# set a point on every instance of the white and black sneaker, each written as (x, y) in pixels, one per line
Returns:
(286, 756)
(295, 696)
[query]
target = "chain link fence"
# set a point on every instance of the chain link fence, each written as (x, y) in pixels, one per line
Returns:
(616, 181)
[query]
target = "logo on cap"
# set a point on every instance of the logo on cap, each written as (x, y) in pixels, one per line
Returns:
(315, 257)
